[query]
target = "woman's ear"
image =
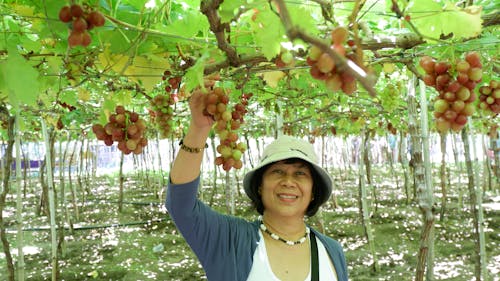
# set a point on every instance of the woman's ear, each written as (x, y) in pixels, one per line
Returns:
(259, 190)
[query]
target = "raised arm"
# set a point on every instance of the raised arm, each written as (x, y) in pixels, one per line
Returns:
(186, 166)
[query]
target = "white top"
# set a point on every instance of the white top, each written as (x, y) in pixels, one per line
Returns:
(261, 269)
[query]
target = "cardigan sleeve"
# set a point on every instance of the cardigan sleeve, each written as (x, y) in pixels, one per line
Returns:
(202, 228)
(222, 243)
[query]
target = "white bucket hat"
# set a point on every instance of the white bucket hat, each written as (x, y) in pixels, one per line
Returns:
(286, 147)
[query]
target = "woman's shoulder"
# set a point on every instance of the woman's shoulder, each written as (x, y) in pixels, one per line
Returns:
(250, 226)
(327, 240)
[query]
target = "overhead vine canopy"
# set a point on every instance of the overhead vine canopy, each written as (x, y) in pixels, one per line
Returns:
(259, 47)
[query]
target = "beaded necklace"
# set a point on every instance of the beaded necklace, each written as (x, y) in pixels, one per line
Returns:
(277, 237)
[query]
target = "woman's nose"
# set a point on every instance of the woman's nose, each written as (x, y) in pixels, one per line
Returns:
(287, 180)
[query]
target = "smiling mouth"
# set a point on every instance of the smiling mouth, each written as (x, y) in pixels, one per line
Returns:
(287, 196)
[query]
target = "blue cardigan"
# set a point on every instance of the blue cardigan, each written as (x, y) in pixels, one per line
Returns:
(225, 244)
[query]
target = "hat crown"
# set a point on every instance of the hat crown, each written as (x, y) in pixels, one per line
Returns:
(290, 147)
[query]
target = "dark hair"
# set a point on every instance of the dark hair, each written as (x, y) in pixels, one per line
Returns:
(317, 190)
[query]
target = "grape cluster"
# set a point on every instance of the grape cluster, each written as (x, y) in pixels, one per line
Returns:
(163, 113)
(227, 123)
(173, 81)
(489, 97)
(81, 21)
(124, 127)
(162, 110)
(323, 66)
(455, 87)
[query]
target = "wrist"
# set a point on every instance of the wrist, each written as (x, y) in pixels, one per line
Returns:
(200, 126)
(196, 137)
(191, 149)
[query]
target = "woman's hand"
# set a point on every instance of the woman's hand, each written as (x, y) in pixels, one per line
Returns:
(199, 119)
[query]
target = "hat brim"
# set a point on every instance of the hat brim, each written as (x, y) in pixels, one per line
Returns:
(325, 181)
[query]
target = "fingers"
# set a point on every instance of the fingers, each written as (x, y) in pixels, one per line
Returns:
(197, 98)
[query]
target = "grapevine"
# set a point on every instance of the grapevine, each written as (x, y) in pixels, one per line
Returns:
(323, 66)
(227, 123)
(124, 127)
(80, 21)
(456, 89)
(489, 97)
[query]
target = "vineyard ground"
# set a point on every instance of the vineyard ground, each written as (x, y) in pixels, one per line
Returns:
(141, 243)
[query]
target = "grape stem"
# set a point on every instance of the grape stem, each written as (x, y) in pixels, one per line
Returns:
(341, 63)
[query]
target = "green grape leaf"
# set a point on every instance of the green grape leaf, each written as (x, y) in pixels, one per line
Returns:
(230, 8)
(122, 97)
(194, 75)
(272, 78)
(343, 124)
(268, 33)
(189, 26)
(266, 96)
(434, 20)
(486, 39)
(138, 4)
(108, 108)
(72, 116)
(19, 79)
(303, 19)
(227, 9)
(69, 97)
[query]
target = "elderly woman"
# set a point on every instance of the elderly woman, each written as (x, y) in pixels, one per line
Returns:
(285, 187)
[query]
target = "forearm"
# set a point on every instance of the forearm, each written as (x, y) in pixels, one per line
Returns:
(186, 166)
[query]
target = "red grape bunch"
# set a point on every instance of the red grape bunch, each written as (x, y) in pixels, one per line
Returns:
(173, 81)
(455, 86)
(163, 111)
(81, 21)
(124, 127)
(227, 123)
(323, 66)
(489, 97)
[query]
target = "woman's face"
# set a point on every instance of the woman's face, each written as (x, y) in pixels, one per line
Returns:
(286, 188)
